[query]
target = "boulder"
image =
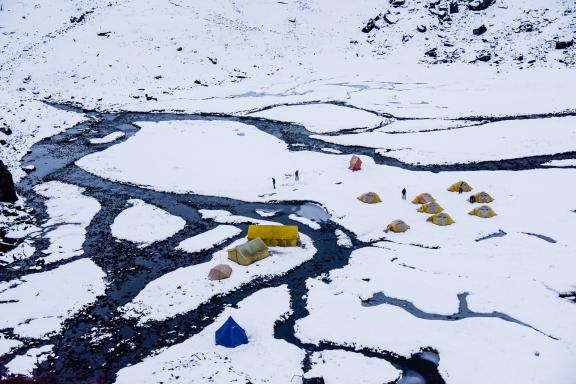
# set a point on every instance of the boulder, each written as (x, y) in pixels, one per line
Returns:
(7, 191)
(480, 5)
(564, 44)
(421, 28)
(453, 7)
(432, 52)
(369, 26)
(480, 30)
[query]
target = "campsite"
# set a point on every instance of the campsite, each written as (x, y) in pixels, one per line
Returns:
(287, 192)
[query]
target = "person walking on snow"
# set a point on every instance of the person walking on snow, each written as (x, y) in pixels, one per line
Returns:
(403, 193)
(297, 176)
(274, 183)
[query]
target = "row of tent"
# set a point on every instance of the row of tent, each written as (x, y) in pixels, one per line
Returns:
(260, 237)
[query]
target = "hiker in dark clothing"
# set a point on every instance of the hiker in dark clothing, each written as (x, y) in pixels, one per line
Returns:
(472, 199)
(296, 175)
(274, 183)
(403, 193)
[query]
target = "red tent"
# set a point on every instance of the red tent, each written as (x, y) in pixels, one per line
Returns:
(355, 163)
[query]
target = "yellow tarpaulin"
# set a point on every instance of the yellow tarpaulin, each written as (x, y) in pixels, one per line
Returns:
(370, 198)
(275, 235)
(430, 208)
(441, 219)
(483, 211)
(461, 184)
(423, 198)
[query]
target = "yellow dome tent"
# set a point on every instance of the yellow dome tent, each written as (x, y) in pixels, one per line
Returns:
(483, 211)
(275, 235)
(441, 219)
(423, 198)
(397, 226)
(430, 208)
(461, 184)
(370, 198)
(249, 252)
(482, 197)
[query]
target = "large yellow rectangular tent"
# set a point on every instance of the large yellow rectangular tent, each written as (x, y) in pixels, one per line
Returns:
(275, 235)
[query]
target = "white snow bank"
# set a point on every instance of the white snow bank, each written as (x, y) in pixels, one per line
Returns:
(343, 239)
(561, 163)
(144, 224)
(186, 288)
(303, 220)
(225, 217)
(6, 344)
(36, 305)
(26, 363)
(494, 141)
(209, 239)
(108, 138)
(323, 118)
(263, 360)
(70, 213)
(495, 350)
(338, 367)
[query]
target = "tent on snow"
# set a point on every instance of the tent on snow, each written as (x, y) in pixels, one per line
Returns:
(230, 334)
(220, 272)
(355, 163)
(461, 184)
(370, 198)
(431, 207)
(481, 197)
(275, 235)
(423, 198)
(483, 211)
(397, 226)
(249, 252)
(441, 219)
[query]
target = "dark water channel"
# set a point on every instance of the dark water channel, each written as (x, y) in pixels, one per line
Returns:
(80, 358)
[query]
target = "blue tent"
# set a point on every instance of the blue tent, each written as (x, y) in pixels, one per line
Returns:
(231, 335)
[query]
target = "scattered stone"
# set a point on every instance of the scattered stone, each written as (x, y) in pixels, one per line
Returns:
(158, 77)
(564, 44)
(421, 28)
(432, 53)
(480, 30)
(453, 7)
(390, 18)
(150, 97)
(485, 57)
(29, 168)
(7, 191)
(5, 130)
(104, 34)
(213, 61)
(179, 49)
(480, 5)
(369, 26)
(397, 3)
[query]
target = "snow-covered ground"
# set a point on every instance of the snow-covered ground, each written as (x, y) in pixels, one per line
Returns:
(409, 86)
(209, 239)
(70, 213)
(144, 224)
(263, 360)
(186, 288)
(36, 305)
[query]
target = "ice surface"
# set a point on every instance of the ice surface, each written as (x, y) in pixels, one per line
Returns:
(263, 360)
(348, 367)
(36, 305)
(209, 239)
(489, 142)
(323, 118)
(144, 224)
(495, 350)
(70, 213)
(186, 288)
